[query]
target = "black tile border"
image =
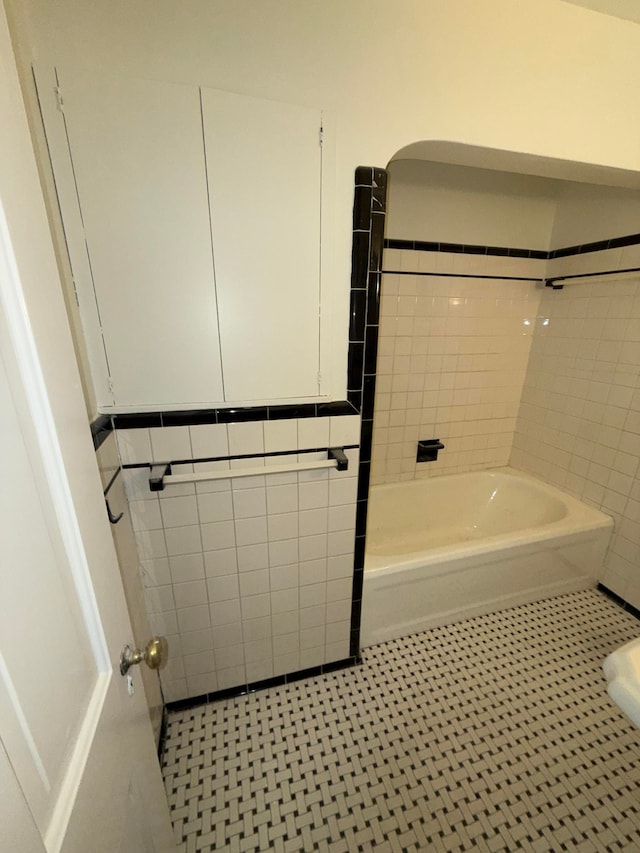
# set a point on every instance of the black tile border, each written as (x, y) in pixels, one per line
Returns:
(254, 686)
(619, 600)
(596, 246)
(100, 428)
(193, 417)
(163, 732)
(512, 252)
(369, 212)
(466, 249)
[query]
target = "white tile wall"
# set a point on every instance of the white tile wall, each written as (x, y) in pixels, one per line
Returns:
(249, 578)
(135, 594)
(579, 421)
(452, 356)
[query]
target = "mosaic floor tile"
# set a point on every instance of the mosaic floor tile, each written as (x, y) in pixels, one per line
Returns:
(494, 734)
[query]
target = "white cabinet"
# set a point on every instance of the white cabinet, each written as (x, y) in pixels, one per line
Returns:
(264, 170)
(193, 221)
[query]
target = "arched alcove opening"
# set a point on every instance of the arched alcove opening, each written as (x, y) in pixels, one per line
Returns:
(509, 326)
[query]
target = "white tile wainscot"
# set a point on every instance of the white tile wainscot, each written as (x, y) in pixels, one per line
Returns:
(452, 357)
(249, 578)
(578, 427)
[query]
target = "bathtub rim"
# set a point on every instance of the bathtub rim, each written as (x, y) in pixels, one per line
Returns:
(580, 520)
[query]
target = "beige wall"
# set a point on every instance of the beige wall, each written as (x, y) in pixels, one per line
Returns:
(526, 76)
(585, 214)
(453, 352)
(452, 357)
(532, 77)
(441, 203)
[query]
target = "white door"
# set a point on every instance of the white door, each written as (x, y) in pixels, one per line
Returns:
(78, 770)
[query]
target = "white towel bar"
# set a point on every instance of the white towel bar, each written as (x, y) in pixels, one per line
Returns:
(161, 475)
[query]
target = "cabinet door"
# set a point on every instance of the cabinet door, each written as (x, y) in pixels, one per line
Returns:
(264, 172)
(139, 165)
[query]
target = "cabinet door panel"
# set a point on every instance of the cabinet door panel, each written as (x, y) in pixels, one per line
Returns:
(264, 173)
(139, 164)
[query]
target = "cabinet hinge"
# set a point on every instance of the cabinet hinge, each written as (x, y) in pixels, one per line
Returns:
(110, 382)
(321, 135)
(59, 100)
(319, 378)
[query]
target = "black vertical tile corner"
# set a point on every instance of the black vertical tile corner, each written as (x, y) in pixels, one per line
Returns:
(360, 259)
(370, 200)
(354, 648)
(364, 475)
(379, 198)
(366, 440)
(364, 175)
(356, 366)
(380, 178)
(373, 299)
(370, 350)
(377, 241)
(358, 558)
(362, 207)
(357, 315)
(368, 396)
(361, 517)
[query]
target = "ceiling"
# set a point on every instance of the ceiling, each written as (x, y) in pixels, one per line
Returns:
(627, 9)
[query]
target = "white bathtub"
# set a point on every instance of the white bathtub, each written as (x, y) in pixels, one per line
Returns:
(448, 548)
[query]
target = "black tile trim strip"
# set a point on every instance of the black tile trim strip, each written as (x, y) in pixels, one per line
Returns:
(471, 275)
(619, 600)
(101, 427)
(366, 271)
(271, 454)
(465, 249)
(112, 480)
(163, 732)
(252, 687)
(597, 246)
(512, 252)
(193, 417)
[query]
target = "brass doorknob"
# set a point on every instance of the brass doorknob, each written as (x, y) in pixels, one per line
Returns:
(154, 654)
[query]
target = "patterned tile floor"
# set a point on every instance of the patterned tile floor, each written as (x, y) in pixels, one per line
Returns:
(491, 734)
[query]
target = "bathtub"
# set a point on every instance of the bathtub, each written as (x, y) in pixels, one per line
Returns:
(447, 548)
